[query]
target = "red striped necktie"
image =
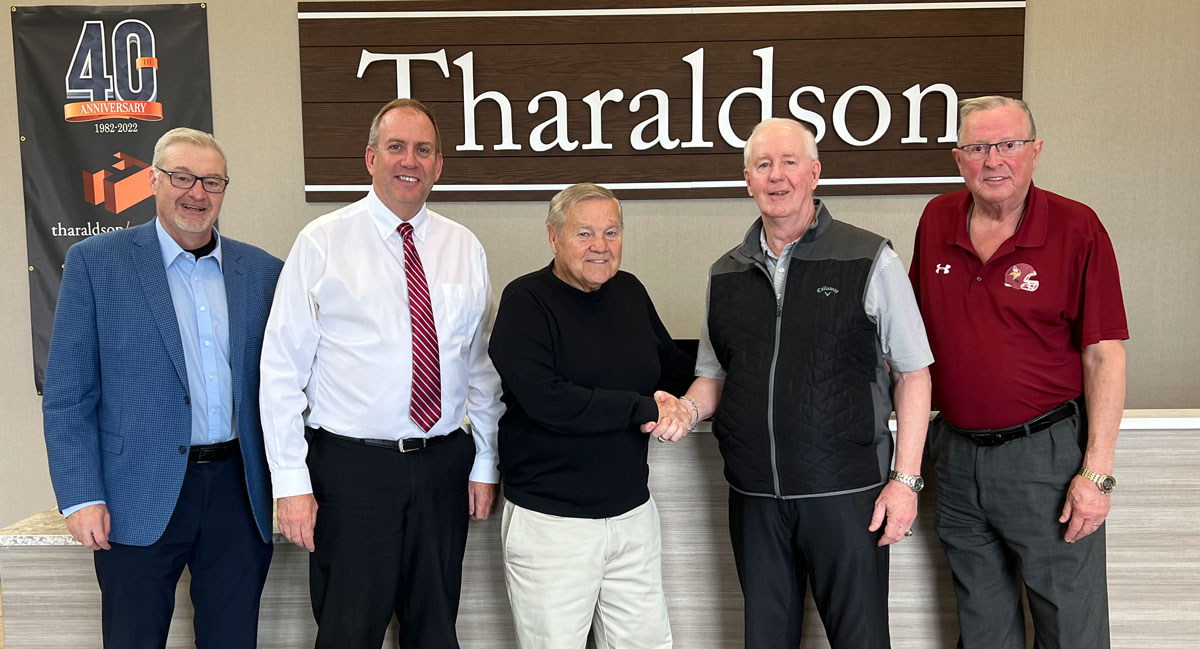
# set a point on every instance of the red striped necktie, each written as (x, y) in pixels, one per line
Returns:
(425, 407)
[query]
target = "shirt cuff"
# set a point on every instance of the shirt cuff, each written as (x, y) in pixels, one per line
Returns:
(71, 510)
(290, 482)
(485, 470)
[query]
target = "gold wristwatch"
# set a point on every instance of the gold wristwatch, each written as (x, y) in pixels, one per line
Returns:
(1106, 482)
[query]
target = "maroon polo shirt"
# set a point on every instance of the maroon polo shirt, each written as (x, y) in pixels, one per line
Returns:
(1008, 335)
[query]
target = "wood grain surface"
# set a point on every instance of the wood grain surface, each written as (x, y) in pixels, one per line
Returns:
(975, 51)
(1153, 567)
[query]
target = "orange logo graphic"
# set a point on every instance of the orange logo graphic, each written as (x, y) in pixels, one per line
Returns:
(124, 86)
(119, 187)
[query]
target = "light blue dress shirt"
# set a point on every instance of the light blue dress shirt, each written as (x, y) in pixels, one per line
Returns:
(198, 293)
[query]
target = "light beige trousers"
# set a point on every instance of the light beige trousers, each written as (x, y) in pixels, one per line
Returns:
(566, 575)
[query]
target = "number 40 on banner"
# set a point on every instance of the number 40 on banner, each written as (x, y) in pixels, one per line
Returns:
(131, 88)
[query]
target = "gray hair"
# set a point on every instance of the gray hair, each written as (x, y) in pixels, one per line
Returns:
(810, 143)
(412, 104)
(184, 135)
(574, 194)
(991, 102)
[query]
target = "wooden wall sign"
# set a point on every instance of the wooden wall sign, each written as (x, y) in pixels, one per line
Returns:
(652, 99)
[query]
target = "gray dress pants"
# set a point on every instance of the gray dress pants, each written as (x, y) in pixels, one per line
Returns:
(997, 518)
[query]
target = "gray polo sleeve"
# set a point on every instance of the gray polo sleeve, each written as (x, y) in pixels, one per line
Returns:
(707, 364)
(892, 306)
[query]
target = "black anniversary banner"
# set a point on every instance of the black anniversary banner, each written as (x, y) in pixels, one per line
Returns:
(96, 87)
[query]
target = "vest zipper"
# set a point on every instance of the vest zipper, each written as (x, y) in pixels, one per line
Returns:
(771, 379)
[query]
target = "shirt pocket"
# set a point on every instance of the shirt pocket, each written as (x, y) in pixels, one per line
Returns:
(462, 308)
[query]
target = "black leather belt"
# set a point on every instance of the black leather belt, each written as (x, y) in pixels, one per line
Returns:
(998, 436)
(205, 453)
(406, 445)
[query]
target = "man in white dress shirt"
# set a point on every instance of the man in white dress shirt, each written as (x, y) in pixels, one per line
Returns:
(375, 349)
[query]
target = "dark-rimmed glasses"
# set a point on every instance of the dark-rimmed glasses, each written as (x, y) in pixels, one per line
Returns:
(185, 180)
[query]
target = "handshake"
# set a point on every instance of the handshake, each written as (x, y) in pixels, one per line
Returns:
(677, 416)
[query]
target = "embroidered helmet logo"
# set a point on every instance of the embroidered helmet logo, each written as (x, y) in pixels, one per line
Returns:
(1022, 276)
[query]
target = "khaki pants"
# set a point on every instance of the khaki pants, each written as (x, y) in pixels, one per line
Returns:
(565, 575)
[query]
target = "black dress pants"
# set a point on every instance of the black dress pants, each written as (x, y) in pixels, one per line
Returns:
(212, 531)
(390, 536)
(780, 546)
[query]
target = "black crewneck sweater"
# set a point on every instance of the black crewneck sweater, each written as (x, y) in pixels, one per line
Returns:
(579, 370)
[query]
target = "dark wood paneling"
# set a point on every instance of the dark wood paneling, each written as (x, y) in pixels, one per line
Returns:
(651, 168)
(975, 51)
(339, 130)
(518, 5)
(629, 194)
(969, 64)
(435, 32)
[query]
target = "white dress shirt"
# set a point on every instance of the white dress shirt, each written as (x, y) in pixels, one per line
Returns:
(337, 353)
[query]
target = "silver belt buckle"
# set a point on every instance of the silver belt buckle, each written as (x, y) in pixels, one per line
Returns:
(400, 444)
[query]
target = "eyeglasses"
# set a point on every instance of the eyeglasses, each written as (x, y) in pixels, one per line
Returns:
(184, 180)
(1006, 149)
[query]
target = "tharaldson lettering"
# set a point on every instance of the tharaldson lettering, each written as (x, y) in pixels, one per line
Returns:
(655, 132)
(86, 230)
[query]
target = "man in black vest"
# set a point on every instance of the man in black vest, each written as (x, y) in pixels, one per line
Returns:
(811, 330)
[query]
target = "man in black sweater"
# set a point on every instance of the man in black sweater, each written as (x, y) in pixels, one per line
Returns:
(581, 350)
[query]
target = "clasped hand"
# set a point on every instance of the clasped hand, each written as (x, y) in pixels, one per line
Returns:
(675, 419)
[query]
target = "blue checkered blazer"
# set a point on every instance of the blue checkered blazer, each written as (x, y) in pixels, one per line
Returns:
(115, 403)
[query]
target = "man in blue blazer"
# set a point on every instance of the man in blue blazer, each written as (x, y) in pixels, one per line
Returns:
(150, 408)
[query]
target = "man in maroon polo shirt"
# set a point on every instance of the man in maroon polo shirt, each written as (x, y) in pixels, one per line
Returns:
(1021, 299)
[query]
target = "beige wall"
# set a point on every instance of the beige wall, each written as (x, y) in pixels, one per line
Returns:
(1108, 80)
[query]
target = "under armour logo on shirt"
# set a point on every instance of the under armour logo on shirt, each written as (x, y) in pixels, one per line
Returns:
(943, 269)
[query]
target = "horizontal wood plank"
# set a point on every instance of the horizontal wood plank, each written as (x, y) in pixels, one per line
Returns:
(614, 169)
(521, 72)
(434, 32)
(339, 130)
(1151, 561)
(656, 168)
(630, 194)
(518, 5)
(554, 55)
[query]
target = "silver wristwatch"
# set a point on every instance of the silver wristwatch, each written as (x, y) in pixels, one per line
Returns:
(914, 482)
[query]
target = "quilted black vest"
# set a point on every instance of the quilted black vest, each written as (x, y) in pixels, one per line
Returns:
(797, 415)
